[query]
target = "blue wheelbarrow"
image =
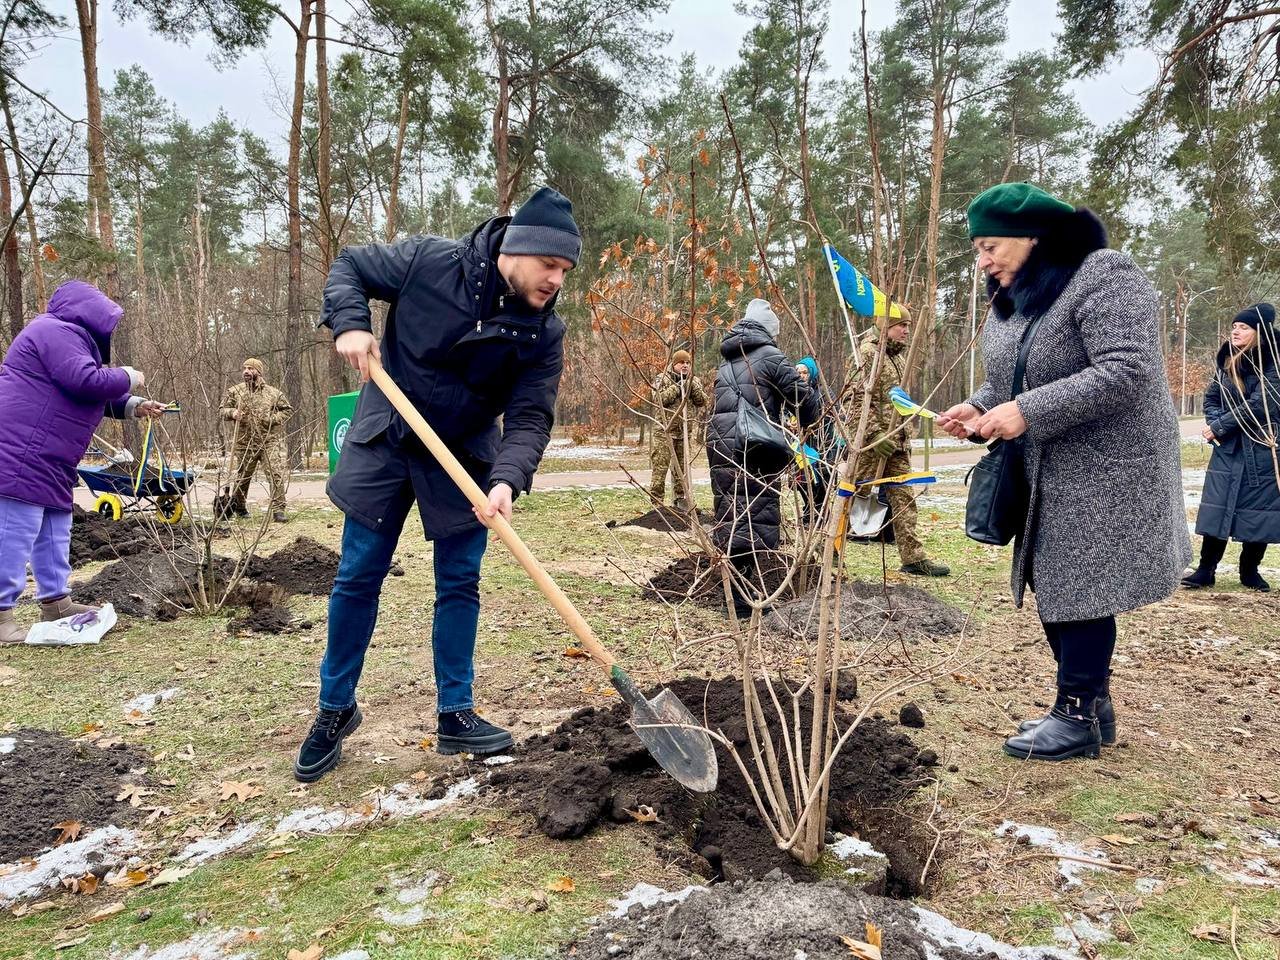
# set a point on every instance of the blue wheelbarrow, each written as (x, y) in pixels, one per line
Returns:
(125, 489)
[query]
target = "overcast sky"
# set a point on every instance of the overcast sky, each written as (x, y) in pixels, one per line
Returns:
(255, 91)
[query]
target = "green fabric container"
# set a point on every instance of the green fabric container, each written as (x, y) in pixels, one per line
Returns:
(342, 410)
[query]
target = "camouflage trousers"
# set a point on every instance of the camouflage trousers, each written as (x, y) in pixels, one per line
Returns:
(902, 503)
(271, 455)
(666, 455)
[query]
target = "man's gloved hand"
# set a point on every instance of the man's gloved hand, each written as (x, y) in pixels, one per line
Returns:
(884, 446)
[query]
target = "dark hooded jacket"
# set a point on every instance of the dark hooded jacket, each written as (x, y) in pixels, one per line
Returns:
(465, 352)
(755, 369)
(1241, 499)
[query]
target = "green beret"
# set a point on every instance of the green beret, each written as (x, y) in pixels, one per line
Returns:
(1015, 210)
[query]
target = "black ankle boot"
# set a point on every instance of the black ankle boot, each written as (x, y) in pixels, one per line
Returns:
(1105, 710)
(1211, 551)
(1199, 577)
(465, 731)
(1251, 555)
(322, 749)
(1070, 730)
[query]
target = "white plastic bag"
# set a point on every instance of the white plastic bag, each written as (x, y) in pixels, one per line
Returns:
(73, 631)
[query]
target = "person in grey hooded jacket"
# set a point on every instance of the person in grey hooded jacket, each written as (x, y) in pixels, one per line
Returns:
(747, 494)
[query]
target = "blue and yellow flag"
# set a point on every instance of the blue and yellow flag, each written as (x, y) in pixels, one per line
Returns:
(862, 296)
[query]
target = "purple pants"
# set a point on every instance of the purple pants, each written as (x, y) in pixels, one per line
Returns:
(41, 536)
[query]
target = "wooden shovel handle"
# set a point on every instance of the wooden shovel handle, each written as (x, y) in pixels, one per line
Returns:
(564, 606)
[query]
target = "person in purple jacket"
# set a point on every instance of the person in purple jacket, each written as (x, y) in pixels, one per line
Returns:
(55, 386)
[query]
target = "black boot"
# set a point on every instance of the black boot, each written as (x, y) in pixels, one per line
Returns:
(1103, 707)
(1070, 730)
(1211, 551)
(322, 749)
(464, 731)
(1251, 555)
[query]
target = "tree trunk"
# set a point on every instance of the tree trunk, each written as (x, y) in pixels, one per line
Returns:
(324, 146)
(501, 118)
(99, 190)
(12, 271)
(294, 333)
(37, 267)
(394, 199)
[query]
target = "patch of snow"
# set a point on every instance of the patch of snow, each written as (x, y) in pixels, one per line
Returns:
(419, 891)
(1257, 873)
(403, 918)
(1268, 838)
(1147, 884)
(400, 801)
(146, 702)
(499, 760)
(1081, 930)
(8, 745)
(947, 934)
(207, 848)
(108, 847)
(351, 955)
(647, 895)
(1047, 838)
(566, 450)
(846, 847)
(206, 945)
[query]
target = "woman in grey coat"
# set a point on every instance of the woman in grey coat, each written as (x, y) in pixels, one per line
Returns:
(1241, 498)
(1106, 529)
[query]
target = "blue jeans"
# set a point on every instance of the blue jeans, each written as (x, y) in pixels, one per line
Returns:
(353, 611)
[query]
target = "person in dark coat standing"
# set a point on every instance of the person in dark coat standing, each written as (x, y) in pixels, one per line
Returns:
(1106, 529)
(55, 386)
(747, 494)
(1241, 499)
(471, 335)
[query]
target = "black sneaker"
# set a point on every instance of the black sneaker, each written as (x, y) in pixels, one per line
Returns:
(322, 749)
(463, 731)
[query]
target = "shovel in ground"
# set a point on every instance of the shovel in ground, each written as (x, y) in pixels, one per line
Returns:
(663, 724)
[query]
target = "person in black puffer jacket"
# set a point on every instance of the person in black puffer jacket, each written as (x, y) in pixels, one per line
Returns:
(1241, 498)
(747, 495)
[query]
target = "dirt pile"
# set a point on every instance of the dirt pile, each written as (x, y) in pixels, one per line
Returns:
(776, 919)
(694, 577)
(94, 537)
(870, 609)
(47, 779)
(593, 771)
(663, 518)
(160, 586)
(304, 566)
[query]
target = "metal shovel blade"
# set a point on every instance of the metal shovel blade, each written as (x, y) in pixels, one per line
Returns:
(676, 740)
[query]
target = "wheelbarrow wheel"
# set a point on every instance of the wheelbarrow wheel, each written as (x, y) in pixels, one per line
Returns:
(109, 506)
(169, 509)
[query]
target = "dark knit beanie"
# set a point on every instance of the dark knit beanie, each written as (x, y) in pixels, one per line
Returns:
(1016, 210)
(544, 227)
(1259, 313)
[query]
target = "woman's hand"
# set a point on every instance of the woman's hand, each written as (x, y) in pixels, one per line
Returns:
(1207, 433)
(959, 420)
(149, 408)
(1004, 421)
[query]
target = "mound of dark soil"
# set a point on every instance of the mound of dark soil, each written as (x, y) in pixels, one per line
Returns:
(694, 577)
(871, 609)
(776, 919)
(304, 566)
(160, 586)
(49, 779)
(266, 619)
(662, 518)
(94, 537)
(592, 770)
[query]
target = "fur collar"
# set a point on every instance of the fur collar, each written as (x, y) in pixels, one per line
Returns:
(1052, 263)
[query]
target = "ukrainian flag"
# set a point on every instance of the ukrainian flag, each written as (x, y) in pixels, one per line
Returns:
(862, 296)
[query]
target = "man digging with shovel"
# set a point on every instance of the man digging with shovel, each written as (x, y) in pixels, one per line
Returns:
(471, 335)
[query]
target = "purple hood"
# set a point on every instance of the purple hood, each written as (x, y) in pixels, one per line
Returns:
(54, 389)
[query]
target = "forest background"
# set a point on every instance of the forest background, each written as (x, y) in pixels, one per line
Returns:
(696, 186)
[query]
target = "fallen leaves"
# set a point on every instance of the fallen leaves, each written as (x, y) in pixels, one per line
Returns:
(26, 909)
(572, 651)
(127, 877)
(868, 949)
(240, 790)
(132, 794)
(562, 885)
(383, 758)
(171, 875)
(68, 944)
(86, 885)
(313, 952)
(1141, 819)
(69, 830)
(136, 718)
(1210, 932)
(644, 813)
(1118, 840)
(105, 912)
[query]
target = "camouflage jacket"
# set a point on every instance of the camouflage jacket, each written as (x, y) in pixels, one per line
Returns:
(892, 374)
(670, 393)
(263, 412)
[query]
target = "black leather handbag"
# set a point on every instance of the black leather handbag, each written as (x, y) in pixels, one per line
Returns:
(758, 441)
(999, 496)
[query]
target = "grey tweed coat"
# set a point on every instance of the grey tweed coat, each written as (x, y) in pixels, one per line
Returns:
(1107, 528)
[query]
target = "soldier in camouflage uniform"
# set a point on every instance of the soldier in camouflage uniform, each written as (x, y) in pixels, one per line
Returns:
(674, 391)
(259, 412)
(892, 449)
